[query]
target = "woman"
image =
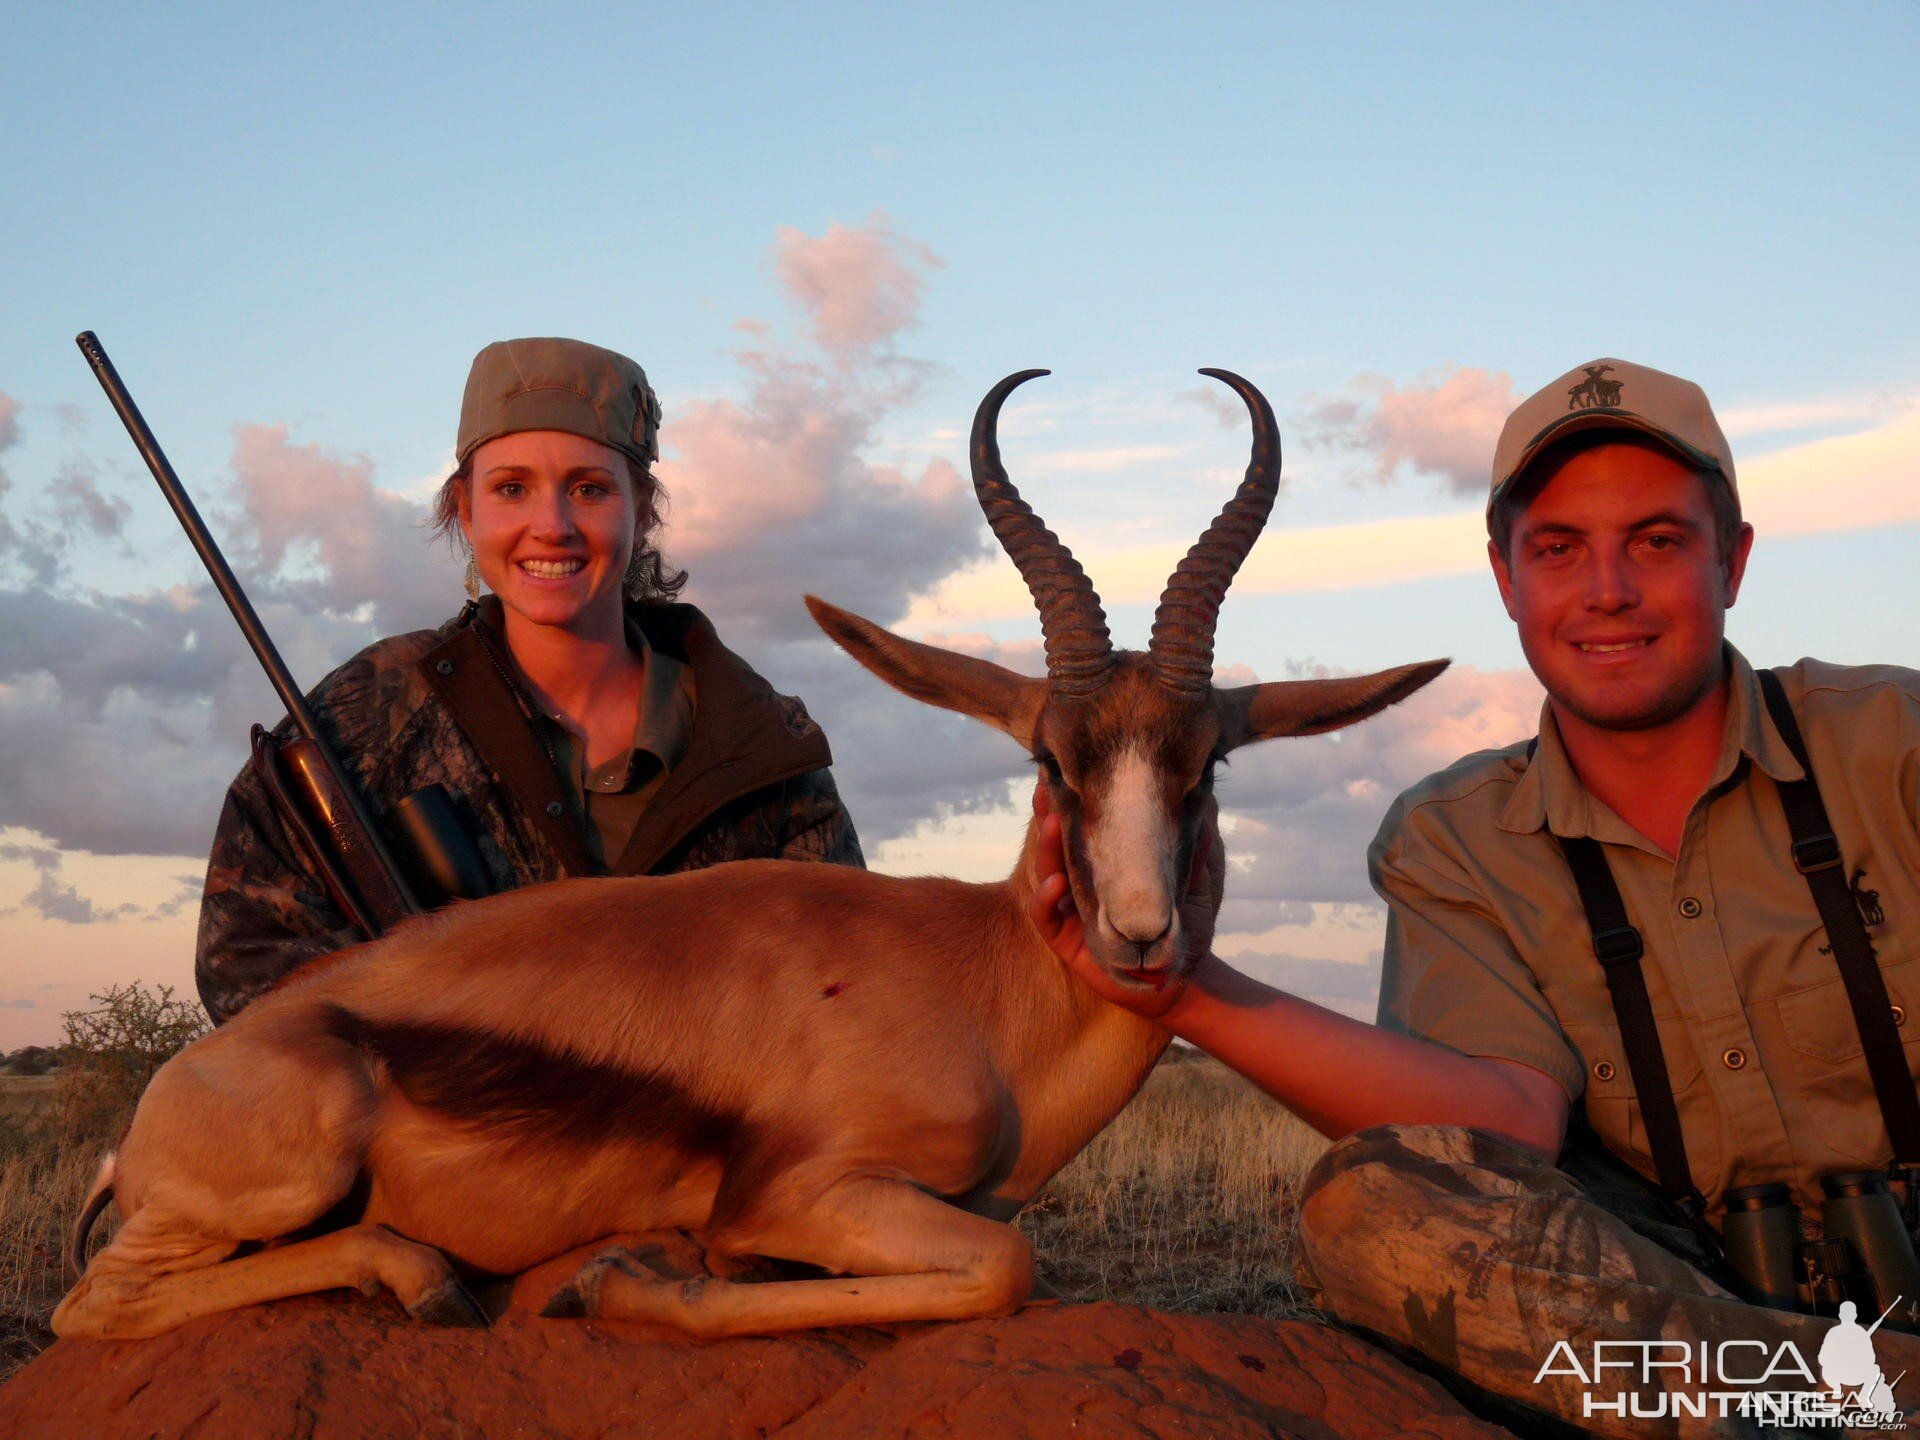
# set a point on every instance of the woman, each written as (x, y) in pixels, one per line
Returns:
(583, 723)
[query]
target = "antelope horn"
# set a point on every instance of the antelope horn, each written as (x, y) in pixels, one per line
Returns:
(1079, 647)
(1182, 644)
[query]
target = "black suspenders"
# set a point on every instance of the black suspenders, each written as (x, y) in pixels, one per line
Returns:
(1617, 945)
(1817, 855)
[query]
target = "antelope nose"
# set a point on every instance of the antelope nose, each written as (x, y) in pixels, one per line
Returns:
(1141, 932)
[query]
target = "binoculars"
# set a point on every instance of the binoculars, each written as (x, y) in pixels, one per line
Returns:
(1867, 1255)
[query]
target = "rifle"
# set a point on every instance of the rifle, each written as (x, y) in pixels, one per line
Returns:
(324, 812)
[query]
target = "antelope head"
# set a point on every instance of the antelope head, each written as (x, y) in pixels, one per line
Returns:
(1126, 743)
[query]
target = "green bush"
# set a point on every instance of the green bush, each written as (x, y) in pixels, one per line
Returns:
(31, 1060)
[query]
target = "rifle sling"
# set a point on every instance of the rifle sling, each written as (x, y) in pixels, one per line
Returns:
(321, 856)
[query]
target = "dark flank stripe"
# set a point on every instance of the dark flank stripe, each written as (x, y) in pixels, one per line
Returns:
(526, 1091)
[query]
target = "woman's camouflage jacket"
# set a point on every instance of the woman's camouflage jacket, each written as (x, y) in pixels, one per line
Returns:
(433, 706)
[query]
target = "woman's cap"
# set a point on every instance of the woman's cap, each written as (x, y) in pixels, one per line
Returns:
(1613, 394)
(553, 384)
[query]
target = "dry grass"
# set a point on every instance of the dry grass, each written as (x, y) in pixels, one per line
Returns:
(1188, 1201)
(44, 1176)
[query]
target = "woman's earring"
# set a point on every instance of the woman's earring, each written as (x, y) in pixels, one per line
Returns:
(634, 582)
(473, 578)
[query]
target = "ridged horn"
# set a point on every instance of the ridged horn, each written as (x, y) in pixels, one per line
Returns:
(1182, 644)
(1079, 647)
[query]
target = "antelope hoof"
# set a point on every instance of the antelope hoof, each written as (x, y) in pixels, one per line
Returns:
(569, 1302)
(579, 1298)
(448, 1305)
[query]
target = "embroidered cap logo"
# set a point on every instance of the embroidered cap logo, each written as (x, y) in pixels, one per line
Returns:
(1593, 391)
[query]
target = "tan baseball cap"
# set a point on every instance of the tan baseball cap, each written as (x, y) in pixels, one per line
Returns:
(552, 384)
(1616, 394)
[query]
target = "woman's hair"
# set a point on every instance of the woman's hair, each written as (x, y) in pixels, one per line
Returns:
(652, 581)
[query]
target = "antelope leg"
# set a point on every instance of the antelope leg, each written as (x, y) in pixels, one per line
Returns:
(135, 1288)
(904, 1256)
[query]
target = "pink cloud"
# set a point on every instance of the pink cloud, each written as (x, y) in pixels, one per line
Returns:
(1316, 802)
(351, 544)
(1445, 426)
(771, 493)
(859, 286)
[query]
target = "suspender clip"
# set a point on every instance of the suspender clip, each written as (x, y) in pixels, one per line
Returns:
(1815, 853)
(1619, 946)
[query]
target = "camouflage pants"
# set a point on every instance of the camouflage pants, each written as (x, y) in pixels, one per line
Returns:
(1480, 1256)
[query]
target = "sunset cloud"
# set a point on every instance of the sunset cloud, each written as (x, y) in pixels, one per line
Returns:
(1304, 809)
(51, 897)
(315, 522)
(859, 285)
(9, 437)
(771, 493)
(1443, 427)
(1862, 480)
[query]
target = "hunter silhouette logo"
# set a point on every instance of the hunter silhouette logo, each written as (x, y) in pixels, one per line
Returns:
(1593, 391)
(1848, 1367)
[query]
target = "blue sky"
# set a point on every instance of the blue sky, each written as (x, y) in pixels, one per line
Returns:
(313, 218)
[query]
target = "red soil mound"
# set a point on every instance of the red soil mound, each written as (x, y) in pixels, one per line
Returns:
(341, 1367)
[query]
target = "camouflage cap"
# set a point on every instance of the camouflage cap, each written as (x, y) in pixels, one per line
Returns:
(552, 384)
(1613, 394)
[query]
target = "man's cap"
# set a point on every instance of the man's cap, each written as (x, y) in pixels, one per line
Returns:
(552, 384)
(1613, 394)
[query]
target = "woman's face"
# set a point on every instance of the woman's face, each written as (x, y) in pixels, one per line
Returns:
(552, 520)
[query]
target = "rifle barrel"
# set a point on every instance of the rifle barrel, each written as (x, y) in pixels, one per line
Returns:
(236, 598)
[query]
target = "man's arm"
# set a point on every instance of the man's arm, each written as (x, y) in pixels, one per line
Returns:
(1338, 1074)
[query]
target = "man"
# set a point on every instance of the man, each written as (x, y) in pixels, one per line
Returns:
(1443, 1225)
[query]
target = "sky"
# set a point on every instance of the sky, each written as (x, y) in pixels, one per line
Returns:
(826, 231)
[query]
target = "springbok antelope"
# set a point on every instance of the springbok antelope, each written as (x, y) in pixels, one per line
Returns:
(867, 1073)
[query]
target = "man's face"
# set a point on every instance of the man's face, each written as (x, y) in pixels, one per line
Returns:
(1618, 587)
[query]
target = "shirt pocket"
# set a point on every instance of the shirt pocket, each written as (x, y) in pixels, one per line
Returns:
(1830, 1068)
(1613, 1101)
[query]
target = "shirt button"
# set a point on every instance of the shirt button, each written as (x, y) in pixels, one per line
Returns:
(444, 667)
(1603, 1069)
(1690, 908)
(1734, 1059)
(556, 809)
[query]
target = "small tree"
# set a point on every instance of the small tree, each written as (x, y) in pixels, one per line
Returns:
(113, 1050)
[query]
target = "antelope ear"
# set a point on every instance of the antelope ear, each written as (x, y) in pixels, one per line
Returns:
(1312, 707)
(975, 687)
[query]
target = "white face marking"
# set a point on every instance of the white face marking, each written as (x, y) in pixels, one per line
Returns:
(1132, 851)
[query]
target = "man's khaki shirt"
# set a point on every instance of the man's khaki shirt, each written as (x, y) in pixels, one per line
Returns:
(1488, 950)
